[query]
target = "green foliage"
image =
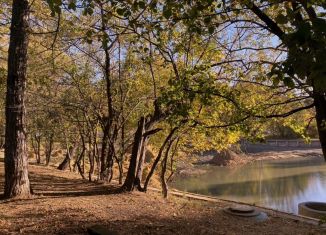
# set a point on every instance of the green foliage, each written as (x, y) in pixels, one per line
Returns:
(55, 6)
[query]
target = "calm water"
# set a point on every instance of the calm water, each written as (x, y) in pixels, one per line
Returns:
(278, 184)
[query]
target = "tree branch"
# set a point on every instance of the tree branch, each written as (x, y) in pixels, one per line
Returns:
(272, 26)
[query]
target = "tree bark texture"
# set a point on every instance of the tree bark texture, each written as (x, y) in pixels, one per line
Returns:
(49, 149)
(320, 106)
(158, 158)
(131, 175)
(16, 159)
(140, 166)
(163, 169)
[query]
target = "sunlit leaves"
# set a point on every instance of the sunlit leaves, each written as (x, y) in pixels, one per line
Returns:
(89, 36)
(176, 31)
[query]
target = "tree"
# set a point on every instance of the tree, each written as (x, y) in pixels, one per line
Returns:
(129, 74)
(296, 29)
(302, 30)
(16, 161)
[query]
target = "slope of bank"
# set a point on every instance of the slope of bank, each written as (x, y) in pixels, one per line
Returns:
(231, 159)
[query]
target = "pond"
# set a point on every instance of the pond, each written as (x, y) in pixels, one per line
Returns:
(278, 184)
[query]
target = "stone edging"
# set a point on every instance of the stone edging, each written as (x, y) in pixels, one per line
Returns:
(199, 197)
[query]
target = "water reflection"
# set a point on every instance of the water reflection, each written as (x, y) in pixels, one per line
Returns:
(278, 184)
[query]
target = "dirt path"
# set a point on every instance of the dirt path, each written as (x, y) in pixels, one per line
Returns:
(65, 204)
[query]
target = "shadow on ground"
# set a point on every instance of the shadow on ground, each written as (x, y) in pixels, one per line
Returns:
(66, 205)
(49, 185)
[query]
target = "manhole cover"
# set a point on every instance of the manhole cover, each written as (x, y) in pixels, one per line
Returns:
(240, 210)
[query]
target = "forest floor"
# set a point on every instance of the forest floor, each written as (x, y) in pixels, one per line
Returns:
(65, 204)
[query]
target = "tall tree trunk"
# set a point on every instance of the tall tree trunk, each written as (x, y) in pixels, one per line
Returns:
(34, 148)
(131, 174)
(147, 132)
(108, 151)
(91, 157)
(120, 165)
(172, 160)
(96, 154)
(111, 153)
(77, 165)
(2, 141)
(320, 105)
(104, 152)
(163, 169)
(81, 155)
(158, 158)
(37, 148)
(49, 149)
(140, 167)
(120, 161)
(16, 160)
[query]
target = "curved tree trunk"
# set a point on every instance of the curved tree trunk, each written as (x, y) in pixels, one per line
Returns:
(37, 148)
(69, 155)
(131, 174)
(78, 165)
(2, 142)
(163, 170)
(66, 161)
(16, 160)
(111, 152)
(158, 158)
(172, 160)
(110, 133)
(120, 170)
(104, 152)
(141, 160)
(91, 157)
(49, 149)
